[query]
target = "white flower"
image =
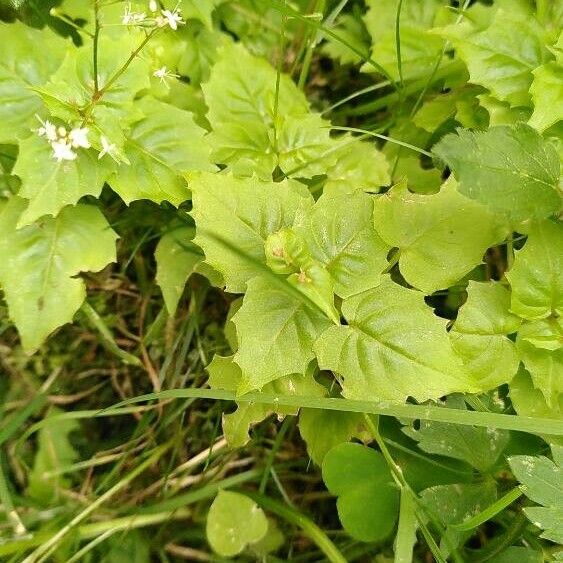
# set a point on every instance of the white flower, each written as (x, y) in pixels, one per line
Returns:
(79, 137)
(132, 18)
(153, 6)
(163, 73)
(63, 151)
(107, 147)
(48, 130)
(173, 19)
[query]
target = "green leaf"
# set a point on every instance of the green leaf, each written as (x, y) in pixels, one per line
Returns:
(199, 10)
(322, 430)
(247, 133)
(535, 277)
(177, 258)
(547, 93)
(358, 166)
(245, 211)
(480, 447)
(234, 521)
(501, 113)
(393, 347)
(282, 342)
(419, 49)
(503, 56)
(453, 504)
(70, 94)
(49, 185)
(529, 401)
(368, 500)
(28, 57)
(479, 334)
(40, 263)
(515, 554)
(510, 169)
(440, 237)
(161, 148)
(54, 452)
(226, 374)
(540, 345)
(124, 548)
(542, 482)
(340, 234)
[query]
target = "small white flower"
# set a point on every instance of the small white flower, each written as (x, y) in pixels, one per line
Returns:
(48, 130)
(61, 131)
(132, 18)
(79, 137)
(163, 73)
(63, 151)
(107, 148)
(173, 19)
(153, 6)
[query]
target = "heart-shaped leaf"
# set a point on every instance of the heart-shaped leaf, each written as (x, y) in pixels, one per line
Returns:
(233, 522)
(368, 500)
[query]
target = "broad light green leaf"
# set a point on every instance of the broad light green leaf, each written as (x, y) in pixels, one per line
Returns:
(70, 91)
(542, 482)
(340, 234)
(199, 10)
(177, 258)
(503, 56)
(535, 277)
(393, 347)
(245, 211)
(479, 334)
(480, 447)
(510, 169)
(226, 374)
(441, 237)
(540, 345)
(160, 148)
(234, 521)
(49, 185)
(419, 49)
(368, 499)
(248, 134)
(501, 113)
(28, 57)
(359, 166)
(276, 333)
(529, 401)
(547, 93)
(322, 430)
(53, 453)
(350, 28)
(40, 263)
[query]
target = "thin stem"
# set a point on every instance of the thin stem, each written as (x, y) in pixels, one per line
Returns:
(278, 80)
(490, 511)
(107, 338)
(313, 40)
(384, 137)
(270, 461)
(96, 40)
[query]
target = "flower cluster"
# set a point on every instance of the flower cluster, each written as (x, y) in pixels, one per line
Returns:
(64, 143)
(170, 18)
